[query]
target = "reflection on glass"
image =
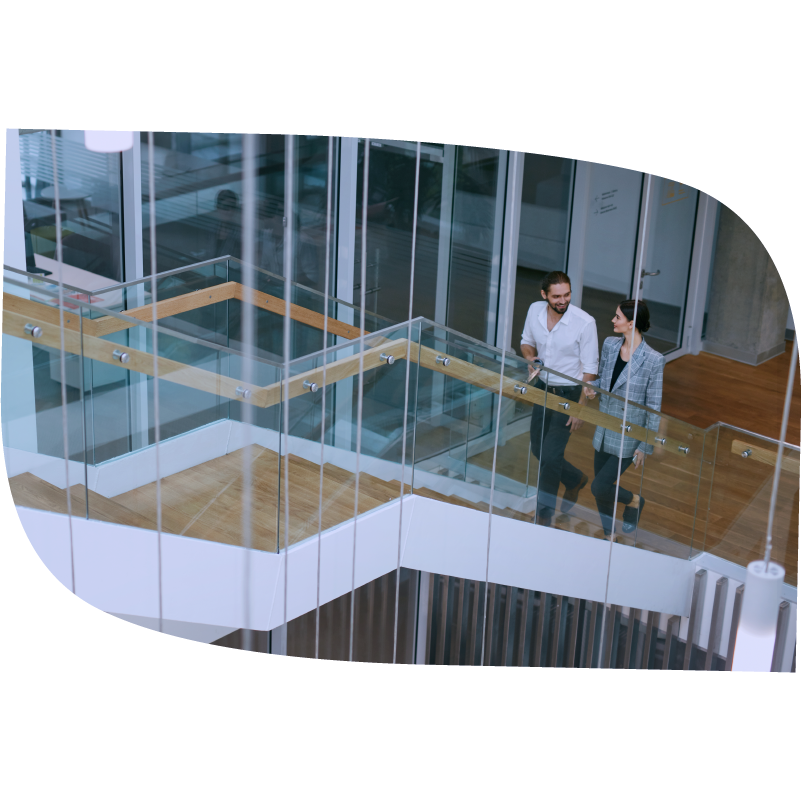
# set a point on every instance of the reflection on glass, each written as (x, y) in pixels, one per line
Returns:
(739, 501)
(666, 269)
(477, 226)
(198, 178)
(89, 197)
(389, 226)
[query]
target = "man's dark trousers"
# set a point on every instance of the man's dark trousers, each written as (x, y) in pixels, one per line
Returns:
(549, 436)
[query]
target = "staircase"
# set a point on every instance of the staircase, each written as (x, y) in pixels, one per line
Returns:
(206, 501)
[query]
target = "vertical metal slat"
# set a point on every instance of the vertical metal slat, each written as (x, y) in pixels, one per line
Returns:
(536, 645)
(646, 646)
(456, 633)
(430, 616)
(696, 613)
(521, 629)
(411, 613)
(369, 645)
(735, 622)
(634, 616)
(511, 592)
(386, 583)
(716, 621)
(572, 637)
(470, 653)
(553, 644)
(609, 630)
(782, 625)
(443, 621)
(674, 621)
(490, 625)
(591, 634)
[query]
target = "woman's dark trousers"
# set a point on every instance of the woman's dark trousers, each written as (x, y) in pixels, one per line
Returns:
(603, 486)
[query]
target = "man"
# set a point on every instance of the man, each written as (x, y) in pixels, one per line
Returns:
(566, 340)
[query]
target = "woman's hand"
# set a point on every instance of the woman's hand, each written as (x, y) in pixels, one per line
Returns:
(639, 459)
(589, 393)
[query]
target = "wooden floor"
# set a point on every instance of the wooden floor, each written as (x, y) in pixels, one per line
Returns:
(687, 508)
(707, 389)
(206, 501)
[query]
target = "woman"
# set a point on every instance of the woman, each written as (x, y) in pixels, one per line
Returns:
(625, 359)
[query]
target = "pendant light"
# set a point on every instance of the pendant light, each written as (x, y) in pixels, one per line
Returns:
(108, 141)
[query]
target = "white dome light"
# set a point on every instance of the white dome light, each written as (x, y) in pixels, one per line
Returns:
(108, 141)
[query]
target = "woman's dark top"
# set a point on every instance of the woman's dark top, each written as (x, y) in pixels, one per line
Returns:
(617, 370)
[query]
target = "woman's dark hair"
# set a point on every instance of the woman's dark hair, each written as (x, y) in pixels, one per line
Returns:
(556, 277)
(643, 321)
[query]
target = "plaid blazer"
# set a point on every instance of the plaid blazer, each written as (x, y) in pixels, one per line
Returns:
(644, 373)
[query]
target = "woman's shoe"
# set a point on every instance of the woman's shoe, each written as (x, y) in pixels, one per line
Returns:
(631, 516)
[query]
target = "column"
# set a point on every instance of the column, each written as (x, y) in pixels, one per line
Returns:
(748, 304)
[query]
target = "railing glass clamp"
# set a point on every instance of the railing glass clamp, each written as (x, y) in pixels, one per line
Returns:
(625, 427)
(243, 393)
(387, 357)
(443, 360)
(33, 330)
(521, 389)
(121, 356)
(685, 449)
(565, 405)
(310, 385)
(660, 440)
(746, 453)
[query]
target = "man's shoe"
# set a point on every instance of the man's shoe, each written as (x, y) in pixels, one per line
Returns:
(571, 495)
(544, 520)
(631, 516)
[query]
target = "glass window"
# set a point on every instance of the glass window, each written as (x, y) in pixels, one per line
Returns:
(198, 187)
(476, 233)
(89, 196)
(390, 214)
(544, 227)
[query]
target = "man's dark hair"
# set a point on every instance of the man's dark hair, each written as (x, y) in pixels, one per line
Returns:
(556, 277)
(643, 321)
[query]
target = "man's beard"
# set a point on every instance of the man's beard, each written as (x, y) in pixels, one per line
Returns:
(559, 311)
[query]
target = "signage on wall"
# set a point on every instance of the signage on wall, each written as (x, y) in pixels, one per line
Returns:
(605, 202)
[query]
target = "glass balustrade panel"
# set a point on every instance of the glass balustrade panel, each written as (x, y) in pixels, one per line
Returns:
(40, 412)
(739, 504)
(457, 393)
(385, 400)
(551, 454)
(201, 447)
(662, 515)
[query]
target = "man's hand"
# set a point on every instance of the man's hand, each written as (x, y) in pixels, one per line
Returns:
(533, 372)
(575, 423)
(639, 459)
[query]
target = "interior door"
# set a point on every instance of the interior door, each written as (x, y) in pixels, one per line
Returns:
(668, 253)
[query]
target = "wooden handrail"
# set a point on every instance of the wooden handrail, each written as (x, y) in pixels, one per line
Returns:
(764, 456)
(21, 311)
(103, 326)
(102, 350)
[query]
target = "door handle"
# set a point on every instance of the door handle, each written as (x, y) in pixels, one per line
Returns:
(656, 273)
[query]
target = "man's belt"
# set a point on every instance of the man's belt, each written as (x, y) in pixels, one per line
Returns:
(556, 387)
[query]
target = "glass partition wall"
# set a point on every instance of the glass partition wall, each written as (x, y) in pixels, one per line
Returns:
(246, 443)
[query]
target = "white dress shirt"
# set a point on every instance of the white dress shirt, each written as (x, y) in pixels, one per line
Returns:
(570, 347)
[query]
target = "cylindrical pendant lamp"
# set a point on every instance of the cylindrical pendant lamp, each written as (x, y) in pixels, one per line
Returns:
(108, 141)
